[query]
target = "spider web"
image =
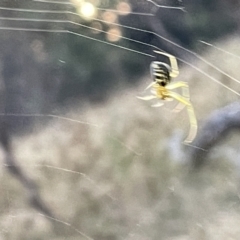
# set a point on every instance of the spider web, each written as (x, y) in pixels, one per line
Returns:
(93, 165)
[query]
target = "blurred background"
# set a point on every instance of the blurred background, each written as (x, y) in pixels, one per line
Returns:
(107, 164)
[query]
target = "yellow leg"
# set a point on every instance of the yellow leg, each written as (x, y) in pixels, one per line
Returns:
(178, 108)
(177, 85)
(180, 98)
(147, 98)
(185, 93)
(193, 125)
(150, 97)
(192, 118)
(173, 62)
(159, 104)
(150, 85)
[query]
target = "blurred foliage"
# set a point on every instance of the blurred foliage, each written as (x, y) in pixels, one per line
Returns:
(121, 179)
(93, 70)
(86, 69)
(125, 177)
(210, 20)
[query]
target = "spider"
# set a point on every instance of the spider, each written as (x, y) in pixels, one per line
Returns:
(162, 89)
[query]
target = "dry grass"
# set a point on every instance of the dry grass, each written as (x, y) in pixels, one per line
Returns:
(125, 178)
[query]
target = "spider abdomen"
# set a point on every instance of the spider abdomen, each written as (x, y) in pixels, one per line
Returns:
(160, 73)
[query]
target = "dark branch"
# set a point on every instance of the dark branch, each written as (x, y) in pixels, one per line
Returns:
(216, 127)
(16, 171)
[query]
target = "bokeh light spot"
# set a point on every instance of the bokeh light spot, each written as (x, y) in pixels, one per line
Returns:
(109, 17)
(87, 10)
(114, 34)
(97, 27)
(124, 8)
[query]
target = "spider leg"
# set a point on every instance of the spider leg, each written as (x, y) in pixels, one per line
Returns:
(150, 97)
(175, 85)
(150, 85)
(179, 98)
(185, 93)
(173, 62)
(192, 118)
(178, 108)
(193, 125)
(159, 104)
(147, 98)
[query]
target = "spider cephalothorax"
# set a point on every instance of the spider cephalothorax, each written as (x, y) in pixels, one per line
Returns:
(161, 89)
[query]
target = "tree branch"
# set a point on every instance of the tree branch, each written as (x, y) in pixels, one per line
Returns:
(216, 127)
(14, 169)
